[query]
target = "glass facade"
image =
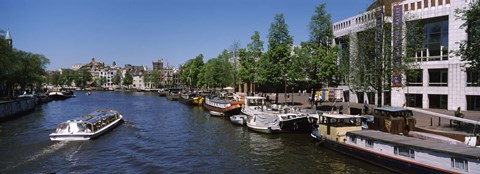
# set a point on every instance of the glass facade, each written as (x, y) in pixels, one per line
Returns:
(436, 39)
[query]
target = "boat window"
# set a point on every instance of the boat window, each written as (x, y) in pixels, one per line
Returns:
(369, 143)
(460, 163)
(404, 151)
(353, 139)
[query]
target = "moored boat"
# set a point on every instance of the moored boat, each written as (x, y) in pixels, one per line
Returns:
(238, 119)
(87, 127)
(216, 114)
(173, 94)
(60, 95)
(227, 106)
(264, 123)
(343, 133)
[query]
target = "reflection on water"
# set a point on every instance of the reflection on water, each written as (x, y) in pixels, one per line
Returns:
(159, 136)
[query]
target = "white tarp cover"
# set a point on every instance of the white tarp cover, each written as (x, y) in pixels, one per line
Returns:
(268, 121)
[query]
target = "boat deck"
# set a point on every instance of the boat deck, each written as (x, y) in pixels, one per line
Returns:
(457, 149)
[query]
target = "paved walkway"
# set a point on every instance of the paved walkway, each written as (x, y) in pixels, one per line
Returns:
(437, 119)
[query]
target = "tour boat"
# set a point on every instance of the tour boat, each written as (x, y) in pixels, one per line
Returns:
(87, 127)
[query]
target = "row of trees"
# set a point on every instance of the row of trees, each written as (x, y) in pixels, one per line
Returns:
(19, 69)
(310, 64)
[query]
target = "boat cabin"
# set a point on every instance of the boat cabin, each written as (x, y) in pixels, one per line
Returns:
(88, 123)
(335, 126)
(392, 120)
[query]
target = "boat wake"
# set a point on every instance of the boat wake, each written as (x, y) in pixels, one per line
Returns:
(47, 150)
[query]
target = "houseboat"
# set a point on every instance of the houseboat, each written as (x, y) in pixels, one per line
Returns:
(343, 133)
(87, 127)
(191, 99)
(60, 94)
(230, 105)
(173, 94)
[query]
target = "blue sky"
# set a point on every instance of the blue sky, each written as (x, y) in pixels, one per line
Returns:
(140, 31)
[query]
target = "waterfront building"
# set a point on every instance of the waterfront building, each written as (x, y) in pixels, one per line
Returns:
(77, 66)
(137, 73)
(444, 81)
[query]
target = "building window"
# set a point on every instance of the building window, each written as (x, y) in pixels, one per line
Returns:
(432, 4)
(472, 78)
(412, 6)
(435, 40)
(447, 2)
(414, 100)
(419, 5)
(440, 2)
(425, 3)
(405, 7)
(438, 101)
(415, 78)
(438, 77)
(369, 143)
(404, 151)
(460, 163)
(473, 102)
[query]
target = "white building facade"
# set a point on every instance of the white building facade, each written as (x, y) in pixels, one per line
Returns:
(444, 81)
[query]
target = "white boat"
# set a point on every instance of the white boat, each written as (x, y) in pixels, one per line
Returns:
(290, 119)
(86, 127)
(216, 114)
(239, 119)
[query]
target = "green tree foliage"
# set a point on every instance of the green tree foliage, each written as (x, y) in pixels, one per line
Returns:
(128, 79)
(248, 59)
(189, 72)
(216, 70)
(117, 79)
(67, 77)
(469, 49)
(370, 75)
(274, 65)
(53, 78)
(102, 81)
(152, 78)
(83, 77)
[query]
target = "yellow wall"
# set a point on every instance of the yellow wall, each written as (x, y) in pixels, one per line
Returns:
(337, 133)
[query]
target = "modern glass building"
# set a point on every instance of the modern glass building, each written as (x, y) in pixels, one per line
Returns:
(441, 80)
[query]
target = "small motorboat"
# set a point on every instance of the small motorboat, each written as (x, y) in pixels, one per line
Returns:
(239, 119)
(216, 114)
(86, 127)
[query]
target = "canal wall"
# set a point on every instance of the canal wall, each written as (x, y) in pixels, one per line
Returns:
(15, 108)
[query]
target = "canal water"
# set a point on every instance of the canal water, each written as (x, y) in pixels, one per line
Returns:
(159, 136)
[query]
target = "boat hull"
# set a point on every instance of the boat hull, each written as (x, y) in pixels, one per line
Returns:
(216, 114)
(232, 110)
(238, 119)
(298, 125)
(388, 162)
(59, 95)
(85, 136)
(262, 129)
